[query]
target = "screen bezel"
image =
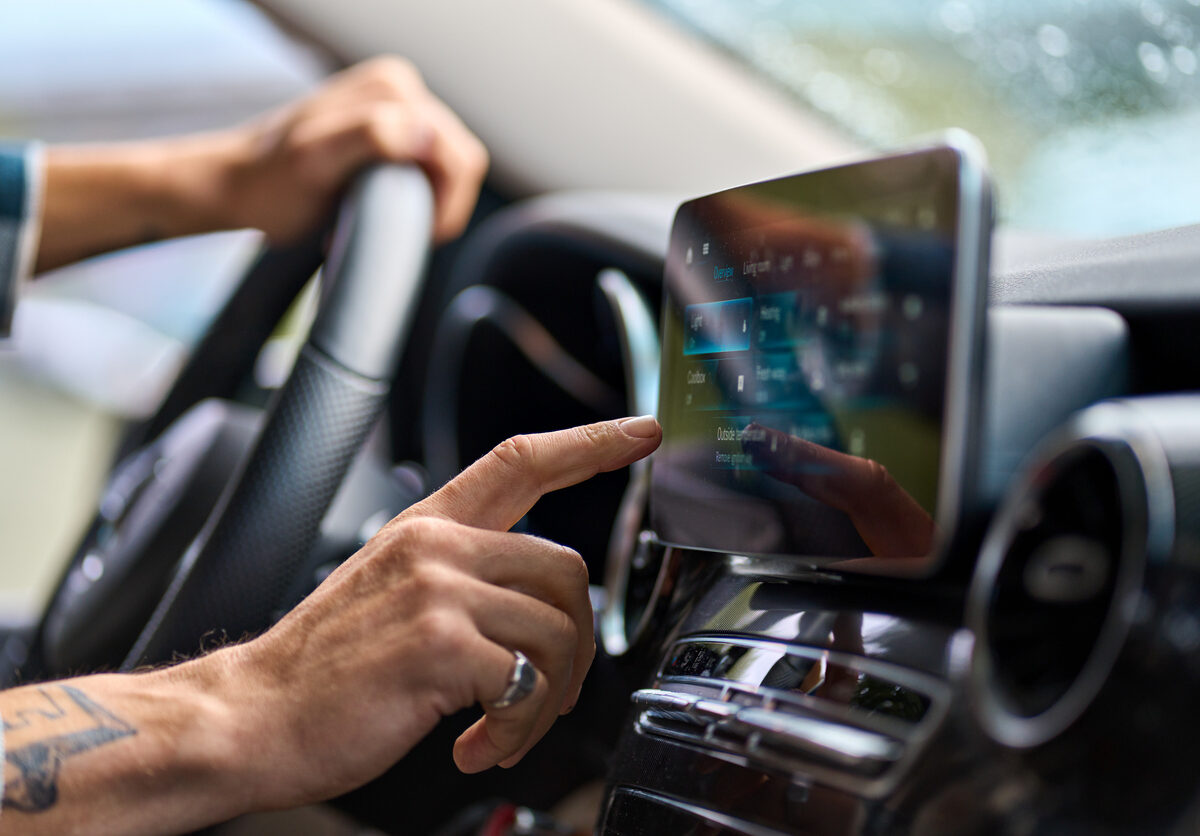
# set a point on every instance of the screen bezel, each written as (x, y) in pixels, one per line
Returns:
(958, 493)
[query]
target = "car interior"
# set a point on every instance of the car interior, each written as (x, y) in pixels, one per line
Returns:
(918, 553)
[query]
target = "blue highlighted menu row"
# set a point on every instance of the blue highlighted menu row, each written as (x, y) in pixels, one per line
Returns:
(717, 326)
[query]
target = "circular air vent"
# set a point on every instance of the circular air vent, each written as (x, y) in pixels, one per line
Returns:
(1059, 574)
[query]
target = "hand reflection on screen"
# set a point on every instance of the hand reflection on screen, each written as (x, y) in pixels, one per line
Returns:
(887, 518)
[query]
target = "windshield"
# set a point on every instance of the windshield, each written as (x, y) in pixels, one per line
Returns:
(1089, 109)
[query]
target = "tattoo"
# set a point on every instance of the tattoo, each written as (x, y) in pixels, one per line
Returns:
(56, 722)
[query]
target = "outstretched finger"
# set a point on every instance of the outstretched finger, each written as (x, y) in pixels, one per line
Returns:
(501, 487)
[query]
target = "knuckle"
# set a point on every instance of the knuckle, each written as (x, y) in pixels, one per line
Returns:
(396, 73)
(441, 632)
(430, 583)
(878, 476)
(477, 159)
(377, 130)
(564, 631)
(417, 533)
(414, 556)
(595, 434)
(575, 568)
(516, 453)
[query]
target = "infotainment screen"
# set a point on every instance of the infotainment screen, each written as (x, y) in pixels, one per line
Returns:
(821, 361)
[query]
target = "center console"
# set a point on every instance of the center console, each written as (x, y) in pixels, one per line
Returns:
(867, 596)
(822, 356)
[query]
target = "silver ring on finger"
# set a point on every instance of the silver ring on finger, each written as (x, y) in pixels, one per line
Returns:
(521, 682)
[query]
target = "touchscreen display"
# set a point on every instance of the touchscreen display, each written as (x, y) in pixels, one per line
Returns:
(806, 333)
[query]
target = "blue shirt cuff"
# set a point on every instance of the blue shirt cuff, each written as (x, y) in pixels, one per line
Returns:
(20, 197)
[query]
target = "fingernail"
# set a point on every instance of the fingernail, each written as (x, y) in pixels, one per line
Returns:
(643, 426)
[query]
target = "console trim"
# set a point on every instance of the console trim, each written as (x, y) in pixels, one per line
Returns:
(760, 727)
(711, 816)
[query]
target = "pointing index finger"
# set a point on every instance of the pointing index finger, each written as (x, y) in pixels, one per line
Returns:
(500, 488)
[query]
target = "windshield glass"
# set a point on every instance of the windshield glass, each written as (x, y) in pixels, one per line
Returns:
(1089, 109)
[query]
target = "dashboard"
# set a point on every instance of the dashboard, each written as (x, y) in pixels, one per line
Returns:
(1028, 678)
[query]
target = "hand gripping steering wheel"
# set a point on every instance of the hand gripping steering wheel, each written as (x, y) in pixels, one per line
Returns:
(241, 571)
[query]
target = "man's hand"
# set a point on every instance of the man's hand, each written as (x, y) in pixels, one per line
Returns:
(290, 165)
(420, 623)
(423, 621)
(281, 173)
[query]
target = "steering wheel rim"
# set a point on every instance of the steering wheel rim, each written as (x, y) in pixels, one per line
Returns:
(238, 574)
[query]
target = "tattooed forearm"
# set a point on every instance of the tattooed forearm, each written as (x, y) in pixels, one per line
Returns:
(51, 724)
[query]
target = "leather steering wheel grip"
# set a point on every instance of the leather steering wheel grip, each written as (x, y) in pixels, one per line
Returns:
(235, 577)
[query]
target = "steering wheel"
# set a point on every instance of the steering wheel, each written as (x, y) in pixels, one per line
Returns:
(134, 594)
